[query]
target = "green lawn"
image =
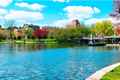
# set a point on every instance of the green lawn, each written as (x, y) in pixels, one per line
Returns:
(30, 41)
(112, 75)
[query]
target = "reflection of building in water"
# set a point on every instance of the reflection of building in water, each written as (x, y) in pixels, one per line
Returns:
(116, 15)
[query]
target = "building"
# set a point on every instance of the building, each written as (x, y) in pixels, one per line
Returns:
(73, 24)
(18, 33)
(34, 27)
(116, 8)
(115, 15)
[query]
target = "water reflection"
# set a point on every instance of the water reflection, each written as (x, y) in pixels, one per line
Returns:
(53, 61)
(33, 47)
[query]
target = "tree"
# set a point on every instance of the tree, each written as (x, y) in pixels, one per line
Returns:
(104, 28)
(65, 34)
(3, 34)
(117, 30)
(40, 33)
(10, 24)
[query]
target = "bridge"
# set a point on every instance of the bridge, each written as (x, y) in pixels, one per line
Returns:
(101, 40)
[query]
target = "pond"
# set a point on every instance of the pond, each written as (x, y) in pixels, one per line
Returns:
(53, 62)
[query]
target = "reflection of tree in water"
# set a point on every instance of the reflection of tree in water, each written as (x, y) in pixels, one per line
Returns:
(34, 47)
(107, 48)
(27, 47)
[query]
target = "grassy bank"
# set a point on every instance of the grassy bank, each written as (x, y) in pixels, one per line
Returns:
(28, 41)
(112, 75)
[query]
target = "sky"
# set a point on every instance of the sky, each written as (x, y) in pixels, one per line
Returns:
(54, 12)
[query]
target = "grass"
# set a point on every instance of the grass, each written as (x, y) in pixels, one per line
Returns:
(29, 41)
(112, 75)
(48, 40)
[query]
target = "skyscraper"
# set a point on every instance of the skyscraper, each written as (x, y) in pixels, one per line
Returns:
(116, 13)
(116, 7)
(116, 16)
(73, 24)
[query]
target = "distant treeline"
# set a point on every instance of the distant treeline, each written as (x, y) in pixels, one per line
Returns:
(103, 28)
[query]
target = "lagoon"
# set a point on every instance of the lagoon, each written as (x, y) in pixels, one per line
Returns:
(53, 62)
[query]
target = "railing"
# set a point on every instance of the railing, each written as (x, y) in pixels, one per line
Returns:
(101, 38)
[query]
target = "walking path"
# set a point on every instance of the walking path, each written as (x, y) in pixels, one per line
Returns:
(99, 74)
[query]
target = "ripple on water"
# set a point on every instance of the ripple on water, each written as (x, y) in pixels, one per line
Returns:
(53, 64)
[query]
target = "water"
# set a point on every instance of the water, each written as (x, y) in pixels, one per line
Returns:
(53, 62)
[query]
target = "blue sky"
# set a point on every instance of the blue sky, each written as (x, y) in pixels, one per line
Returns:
(54, 12)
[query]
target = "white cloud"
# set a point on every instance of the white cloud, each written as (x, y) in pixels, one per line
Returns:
(61, 1)
(115, 21)
(80, 12)
(95, 20)
(20, 16)
(64, 22)
(3, 11)
(34, 6)
(24, 15)
(4, 3)
(96, 10)
(60, 23)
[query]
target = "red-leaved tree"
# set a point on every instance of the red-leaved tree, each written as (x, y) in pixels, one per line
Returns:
(40, 33)
(118, 31)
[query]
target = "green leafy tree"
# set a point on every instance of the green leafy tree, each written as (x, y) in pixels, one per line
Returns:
(103, 28)
(64, 34)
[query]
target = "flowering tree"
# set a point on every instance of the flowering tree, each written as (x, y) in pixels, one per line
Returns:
(40, 33)
(118, 30)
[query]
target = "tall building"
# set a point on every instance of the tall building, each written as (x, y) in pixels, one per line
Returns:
(116, 3)
(73, 24)
(116, 12)
(116, 16)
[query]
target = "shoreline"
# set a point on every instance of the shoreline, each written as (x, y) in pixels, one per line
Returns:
(29, 41)
(100, 73)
